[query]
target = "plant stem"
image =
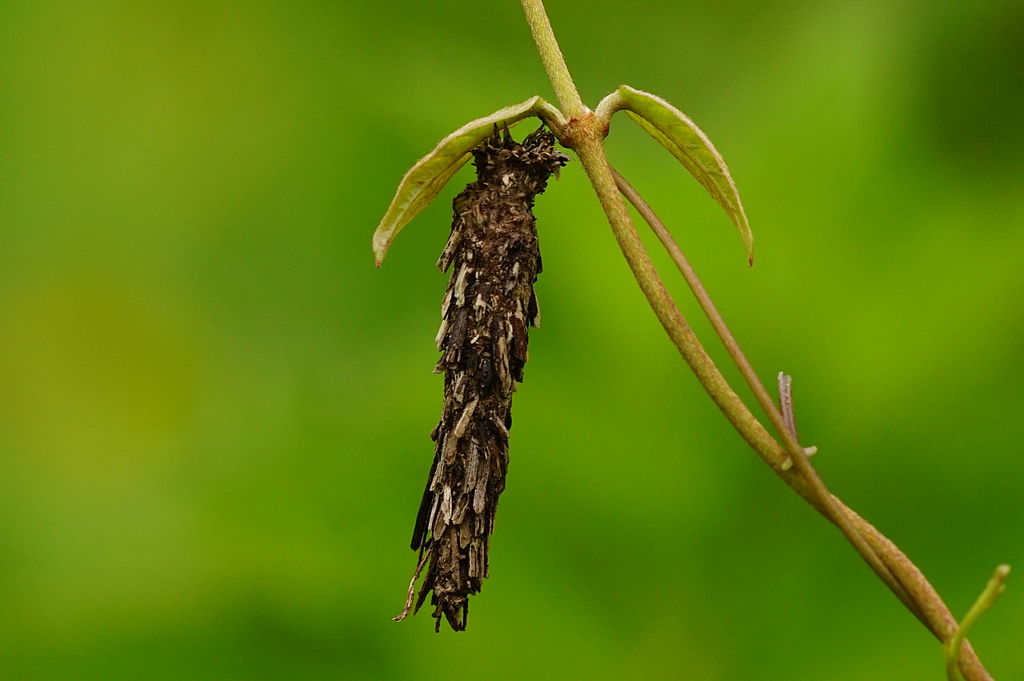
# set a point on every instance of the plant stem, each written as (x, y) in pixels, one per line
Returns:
(891, 565)
(994, 587)
(551, 56)
(592, 157)
(796, 452)
(587, 144)
(899, 573)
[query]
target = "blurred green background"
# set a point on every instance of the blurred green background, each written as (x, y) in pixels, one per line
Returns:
(214, 411)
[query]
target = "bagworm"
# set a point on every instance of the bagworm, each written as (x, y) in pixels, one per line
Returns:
(486, 312)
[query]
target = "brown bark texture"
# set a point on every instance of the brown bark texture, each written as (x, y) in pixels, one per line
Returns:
(486, 312)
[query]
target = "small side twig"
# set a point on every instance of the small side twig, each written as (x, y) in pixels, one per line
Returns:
(788, 414)
(786, 402)
(995, 586)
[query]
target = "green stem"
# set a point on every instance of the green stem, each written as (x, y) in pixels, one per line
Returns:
(796, 452)
(592, 157)
(898, 572)
(551, 56)
(895, 569)
(996, 585)
(587, 143)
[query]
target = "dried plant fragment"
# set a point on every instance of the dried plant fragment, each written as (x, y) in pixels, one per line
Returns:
(489, 305)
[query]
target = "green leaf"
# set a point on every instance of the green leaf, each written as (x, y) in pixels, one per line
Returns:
(425, 180)
(676, 132)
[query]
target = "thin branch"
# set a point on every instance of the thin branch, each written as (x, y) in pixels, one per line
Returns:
(551, 56)
(796, 453)
(907, 581)
(592, 157)
(892, 566)
(995, 586)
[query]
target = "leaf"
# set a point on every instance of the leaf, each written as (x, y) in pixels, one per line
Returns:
(425, 180)
(676, 132)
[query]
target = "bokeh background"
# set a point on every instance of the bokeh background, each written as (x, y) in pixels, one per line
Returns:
(214, 411)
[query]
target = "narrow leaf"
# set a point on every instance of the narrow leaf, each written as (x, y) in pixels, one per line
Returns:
(424, 181)
(676, 132)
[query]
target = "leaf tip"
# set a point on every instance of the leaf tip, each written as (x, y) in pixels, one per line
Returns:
(380, 247)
